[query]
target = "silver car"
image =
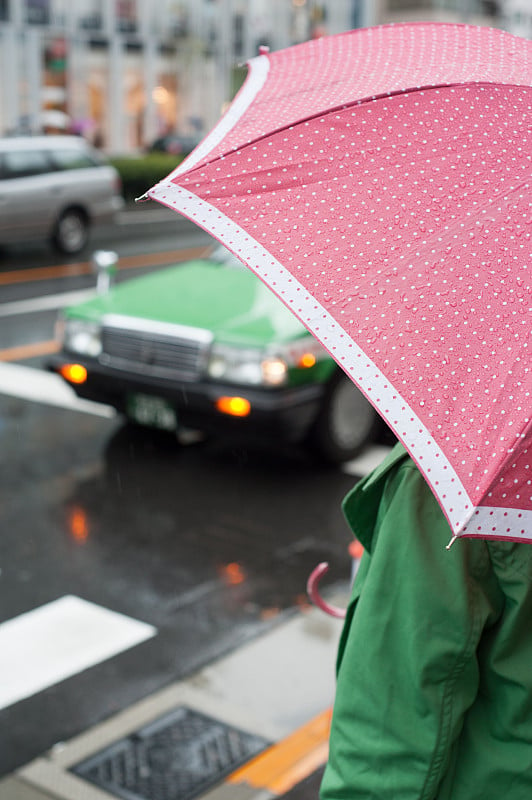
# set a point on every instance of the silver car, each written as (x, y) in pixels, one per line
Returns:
(55, 187)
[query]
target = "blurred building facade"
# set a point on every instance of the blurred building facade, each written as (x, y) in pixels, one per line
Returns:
(124, 72)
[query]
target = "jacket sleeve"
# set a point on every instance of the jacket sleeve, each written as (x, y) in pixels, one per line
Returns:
(407, 668)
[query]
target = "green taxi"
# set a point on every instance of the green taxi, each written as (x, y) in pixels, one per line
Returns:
(204, 345)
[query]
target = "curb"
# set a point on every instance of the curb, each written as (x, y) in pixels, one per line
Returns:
(278, 687)
(287, 763)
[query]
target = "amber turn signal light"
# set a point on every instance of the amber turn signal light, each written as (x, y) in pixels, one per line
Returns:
(235, 406)
(73, 373)
(307, 360)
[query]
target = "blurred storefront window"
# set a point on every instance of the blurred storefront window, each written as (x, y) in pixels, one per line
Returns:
(125, 72)
(126, 16)
(38, 12)
(517, 17)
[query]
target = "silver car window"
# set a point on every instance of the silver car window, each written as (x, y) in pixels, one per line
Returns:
(23, 163)
(69, 158)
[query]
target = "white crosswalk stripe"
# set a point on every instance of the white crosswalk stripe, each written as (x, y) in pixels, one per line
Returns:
(58, 640)
(29, 383)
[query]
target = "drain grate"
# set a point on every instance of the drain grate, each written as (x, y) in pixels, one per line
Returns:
(177, 757)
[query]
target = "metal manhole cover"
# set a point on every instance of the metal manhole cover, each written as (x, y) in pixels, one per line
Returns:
(177, 757)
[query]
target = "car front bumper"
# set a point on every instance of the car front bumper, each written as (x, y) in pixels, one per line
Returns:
(287, 412)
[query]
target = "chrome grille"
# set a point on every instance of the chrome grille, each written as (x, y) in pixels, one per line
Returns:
(155, 349)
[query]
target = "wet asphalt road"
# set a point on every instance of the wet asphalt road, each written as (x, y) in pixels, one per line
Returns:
(209, 542)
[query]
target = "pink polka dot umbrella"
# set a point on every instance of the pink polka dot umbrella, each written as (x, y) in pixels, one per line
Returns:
(379, 181)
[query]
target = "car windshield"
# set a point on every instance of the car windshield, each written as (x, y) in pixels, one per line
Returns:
(225, 258)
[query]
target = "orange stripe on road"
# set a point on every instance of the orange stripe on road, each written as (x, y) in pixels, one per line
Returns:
(287, 763)
(85, 267)
(29, 350)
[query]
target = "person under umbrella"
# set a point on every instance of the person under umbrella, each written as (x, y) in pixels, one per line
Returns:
(434, 679)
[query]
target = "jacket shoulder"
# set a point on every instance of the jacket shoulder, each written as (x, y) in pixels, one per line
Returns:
(361, 504)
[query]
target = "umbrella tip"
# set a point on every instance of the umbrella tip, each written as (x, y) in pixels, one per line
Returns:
(143, 198)
(453, 540)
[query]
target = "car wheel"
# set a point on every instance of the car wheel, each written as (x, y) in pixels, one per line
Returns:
(71, 232)
(347, 422)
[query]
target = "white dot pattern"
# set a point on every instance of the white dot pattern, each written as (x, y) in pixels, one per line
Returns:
(398, 230)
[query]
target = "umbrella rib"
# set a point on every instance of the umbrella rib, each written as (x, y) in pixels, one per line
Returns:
(188, 169)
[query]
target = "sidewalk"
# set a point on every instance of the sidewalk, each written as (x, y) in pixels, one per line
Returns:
(252, 726)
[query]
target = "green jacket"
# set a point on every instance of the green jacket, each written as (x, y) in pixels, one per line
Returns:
(434, 681)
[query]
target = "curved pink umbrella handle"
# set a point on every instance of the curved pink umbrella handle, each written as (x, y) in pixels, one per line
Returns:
(312, 590)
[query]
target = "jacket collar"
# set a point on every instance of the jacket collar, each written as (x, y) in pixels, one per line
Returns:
(361, 504)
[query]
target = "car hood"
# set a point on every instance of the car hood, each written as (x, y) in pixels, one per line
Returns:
(228, 301)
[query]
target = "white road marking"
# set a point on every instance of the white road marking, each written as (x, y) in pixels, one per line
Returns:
(57, 640)
(47, 303)
(366, 461)
(29, 383)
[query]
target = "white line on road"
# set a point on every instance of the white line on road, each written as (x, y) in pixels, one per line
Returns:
(47, 303)
(29, 383)
(58, 640)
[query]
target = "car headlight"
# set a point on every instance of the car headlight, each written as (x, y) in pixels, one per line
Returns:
(274, 371)
(81, 336)
(246, 366)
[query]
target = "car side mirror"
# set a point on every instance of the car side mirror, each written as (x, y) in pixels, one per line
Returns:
(104, 264)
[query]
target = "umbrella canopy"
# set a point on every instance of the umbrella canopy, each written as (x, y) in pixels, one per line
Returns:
(379, 182)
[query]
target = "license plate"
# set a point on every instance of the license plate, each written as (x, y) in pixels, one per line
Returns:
(155, 412)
